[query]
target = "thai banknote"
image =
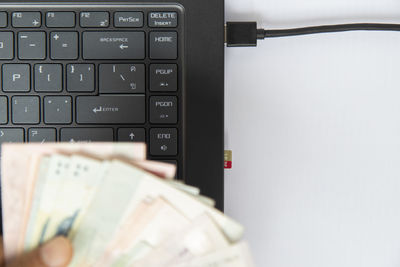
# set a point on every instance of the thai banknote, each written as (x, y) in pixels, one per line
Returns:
(117, 208)
(237, 255)
(19, 164)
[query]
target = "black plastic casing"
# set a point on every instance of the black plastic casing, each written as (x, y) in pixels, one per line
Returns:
(241, 34)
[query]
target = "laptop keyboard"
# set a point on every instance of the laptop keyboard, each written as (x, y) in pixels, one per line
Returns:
(93, 72)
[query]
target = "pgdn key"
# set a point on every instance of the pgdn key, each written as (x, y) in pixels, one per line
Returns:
(124, 109)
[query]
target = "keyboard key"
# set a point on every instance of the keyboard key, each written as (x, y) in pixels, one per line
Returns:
(48, 78)
(16, 78)
(163, 77)
(26, 19)
(113, 45)
(163, 19)
(87, 135)
(131, 135)
(64, 45)
(11, 135)
(57, 109)
(163, 45)
(163, 109)
(124, 109)
(25, 110)
(3, 110)
(3, 19)
(95, 19)
(60, 19)
(32, 45)
(122, 78)
(80, 77)
(128, 19)
(163, 141)
(6, 45)
(42, 135)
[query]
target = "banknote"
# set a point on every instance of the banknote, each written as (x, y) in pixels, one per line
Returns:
(193, 191)
(117, 208)
(71, 198)
(151, 223)
(149, 185)
(49, 184)
(141, 185)
(200, 237)
(103, 216)
(160, 169)
(184, 187)
(206, 200)
(19, 164)
(42, 172)
(78, 185)
(237, 255)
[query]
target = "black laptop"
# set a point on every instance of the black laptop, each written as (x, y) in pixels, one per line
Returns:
(128, 71)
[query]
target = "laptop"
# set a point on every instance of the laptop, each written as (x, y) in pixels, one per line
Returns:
(124, 71)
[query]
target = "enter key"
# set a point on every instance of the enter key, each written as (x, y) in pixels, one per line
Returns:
(124, 109)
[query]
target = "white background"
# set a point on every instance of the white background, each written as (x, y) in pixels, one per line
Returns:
(314, 125)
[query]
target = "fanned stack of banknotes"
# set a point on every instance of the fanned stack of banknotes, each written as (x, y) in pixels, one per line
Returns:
(117, 208)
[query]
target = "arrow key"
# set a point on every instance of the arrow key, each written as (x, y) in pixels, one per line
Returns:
(131, 135)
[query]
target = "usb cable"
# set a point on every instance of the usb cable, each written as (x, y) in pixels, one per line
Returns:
(242, 34)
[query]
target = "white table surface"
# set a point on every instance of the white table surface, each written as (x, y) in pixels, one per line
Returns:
(314, 125)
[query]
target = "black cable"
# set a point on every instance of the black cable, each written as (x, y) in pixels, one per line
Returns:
(247, 34)
(329, 29)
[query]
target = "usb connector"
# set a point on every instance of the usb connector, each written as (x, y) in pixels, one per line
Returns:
(240, 34)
